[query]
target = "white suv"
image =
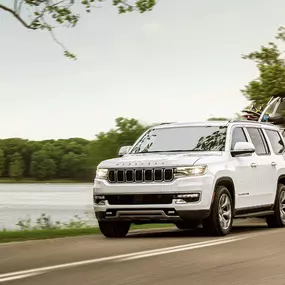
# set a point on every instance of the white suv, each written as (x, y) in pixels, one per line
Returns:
(191, 174)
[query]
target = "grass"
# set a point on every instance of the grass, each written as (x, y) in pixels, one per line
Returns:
(40, 234)
(30, 180)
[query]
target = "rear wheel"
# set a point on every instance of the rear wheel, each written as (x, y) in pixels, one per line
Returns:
(220, 221)
(187, 225)
(277, 220)
(114, 229)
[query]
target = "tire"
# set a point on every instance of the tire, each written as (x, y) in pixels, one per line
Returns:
(187, 225)
(220, 225)
(114, 229)
(277, 220)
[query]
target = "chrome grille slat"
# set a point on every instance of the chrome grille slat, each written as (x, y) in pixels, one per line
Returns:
(168, 174)
(148, 175)
(121, 175)
(158, 174)
(140, 175)
(129, 175)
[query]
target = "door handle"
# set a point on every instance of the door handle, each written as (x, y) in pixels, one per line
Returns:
(273, 163)
(253, 164)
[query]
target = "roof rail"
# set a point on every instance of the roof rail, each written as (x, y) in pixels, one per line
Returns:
(249, 121)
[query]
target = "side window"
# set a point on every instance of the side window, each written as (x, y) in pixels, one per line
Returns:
(258, 141)
(238, 136)
(276, 141)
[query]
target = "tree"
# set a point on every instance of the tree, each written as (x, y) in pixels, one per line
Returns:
(271, 66)
(74, 165)
(73, 158)
(2, 160)
(16, 166)
(12, 146)
(218, 119)
(42, 166)
(49, 14)
(107, 145)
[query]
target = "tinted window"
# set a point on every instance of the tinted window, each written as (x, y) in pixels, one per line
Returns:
(179, 139)
(238, 136)
(258, 141)
(276, 141)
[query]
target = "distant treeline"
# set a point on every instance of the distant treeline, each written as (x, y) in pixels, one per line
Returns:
(73, 158)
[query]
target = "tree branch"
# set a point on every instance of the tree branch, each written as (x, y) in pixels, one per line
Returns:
(2, 7)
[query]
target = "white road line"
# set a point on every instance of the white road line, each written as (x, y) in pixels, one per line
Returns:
(194, 246)
(22, 276)
(122, 257)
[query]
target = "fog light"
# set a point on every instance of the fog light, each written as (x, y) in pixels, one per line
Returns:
(180, 201)
(99, 200)
(187, 198)
(170, 213)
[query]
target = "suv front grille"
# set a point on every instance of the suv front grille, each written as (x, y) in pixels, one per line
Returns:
(140, 175)
(138, 199)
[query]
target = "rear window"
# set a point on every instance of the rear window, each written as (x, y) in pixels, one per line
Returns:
(276, 141)
(258, 140)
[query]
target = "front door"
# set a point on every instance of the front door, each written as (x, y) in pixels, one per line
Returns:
(245, 173)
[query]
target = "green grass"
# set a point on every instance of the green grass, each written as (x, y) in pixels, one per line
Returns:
(30, 180)
(23, 235)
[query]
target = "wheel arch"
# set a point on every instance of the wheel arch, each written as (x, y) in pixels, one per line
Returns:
(229, 183)
(281, 179)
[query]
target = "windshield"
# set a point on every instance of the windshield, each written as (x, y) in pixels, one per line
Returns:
(201, 138)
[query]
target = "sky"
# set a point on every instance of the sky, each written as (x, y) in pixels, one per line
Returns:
(180, 62)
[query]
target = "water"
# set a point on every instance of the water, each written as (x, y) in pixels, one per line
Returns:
(60, 201)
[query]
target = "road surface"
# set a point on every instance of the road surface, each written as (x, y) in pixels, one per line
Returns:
(252, 254)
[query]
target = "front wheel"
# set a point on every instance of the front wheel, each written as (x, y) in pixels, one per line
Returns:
(277, 220)
(220, 221)
(114, 229)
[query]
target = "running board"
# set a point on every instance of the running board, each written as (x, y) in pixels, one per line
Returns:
(256, 214)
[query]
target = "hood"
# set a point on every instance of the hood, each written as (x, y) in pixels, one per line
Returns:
(156, 160)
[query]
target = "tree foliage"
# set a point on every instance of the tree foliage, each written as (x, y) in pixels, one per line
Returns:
(271, 66)
(2, 161)
(74, 158)
(16, 166)
(107, 144)
(218, 119)
(50, 14)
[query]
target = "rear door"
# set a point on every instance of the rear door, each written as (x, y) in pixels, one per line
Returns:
(277, 158)
(266, 172)
(245, 172)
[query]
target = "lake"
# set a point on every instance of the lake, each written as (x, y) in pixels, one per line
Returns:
(60, 201)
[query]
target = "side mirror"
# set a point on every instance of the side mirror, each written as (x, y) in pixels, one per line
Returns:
(243, 148)
(124, 150)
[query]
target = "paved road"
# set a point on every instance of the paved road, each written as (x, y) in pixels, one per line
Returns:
(252, 254)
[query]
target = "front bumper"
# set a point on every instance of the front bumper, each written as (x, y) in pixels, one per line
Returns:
(151, 212)
(158, 215)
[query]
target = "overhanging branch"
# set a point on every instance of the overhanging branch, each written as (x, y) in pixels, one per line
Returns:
(2, 7)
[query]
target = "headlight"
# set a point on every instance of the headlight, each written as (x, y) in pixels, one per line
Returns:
(190, 171)
(102, 173)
